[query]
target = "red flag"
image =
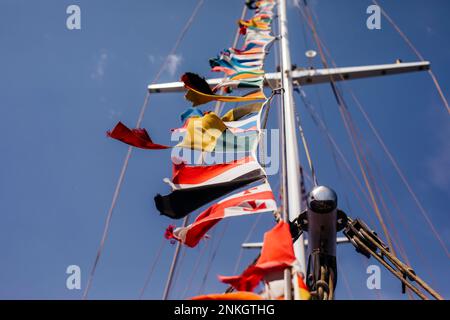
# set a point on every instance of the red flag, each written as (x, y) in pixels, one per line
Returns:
(134, 137)
(277, 254)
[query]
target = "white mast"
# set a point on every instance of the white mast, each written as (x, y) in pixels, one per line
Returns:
(291, 160)
(292, 164)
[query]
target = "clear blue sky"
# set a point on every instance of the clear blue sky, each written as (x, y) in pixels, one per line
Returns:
(61, 90)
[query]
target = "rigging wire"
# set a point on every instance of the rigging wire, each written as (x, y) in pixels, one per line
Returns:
(362, 203)
(348, 123)
(417, 53)
(402, 176)
(395, 238)
(152, 268)
(405, 224)
(213, 257)
(128, 154)
(247, 238)
(321, 124)
(336, 91)
(335, 149)
(219, 104)
(422, 210)
(377, 192)
(194, 270)
(177, 271)
(307, 151)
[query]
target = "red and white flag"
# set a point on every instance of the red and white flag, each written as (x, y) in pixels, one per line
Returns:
(188, 176)
(254, 200)
(195, 186)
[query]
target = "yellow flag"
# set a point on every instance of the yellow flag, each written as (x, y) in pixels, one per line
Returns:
(202, 133)
(209, 133)
(198, 98)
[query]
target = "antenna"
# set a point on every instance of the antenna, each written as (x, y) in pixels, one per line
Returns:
(310, 54)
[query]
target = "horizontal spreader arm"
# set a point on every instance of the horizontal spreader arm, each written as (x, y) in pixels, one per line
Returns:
(314, 76)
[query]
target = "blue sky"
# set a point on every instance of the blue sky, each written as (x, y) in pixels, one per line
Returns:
(61, 90)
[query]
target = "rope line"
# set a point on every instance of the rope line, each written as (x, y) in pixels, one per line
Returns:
(343, 110)
(417, 53)
(247, 238)
(407, 228)
(402, 176)
(306, 148)
(335, 149)
(351, 125)
(345, 280)
(194, 270)
(177, 270)
(396, 166)
(213, 257)
(128, 155)
(219, 104)
(152, 268)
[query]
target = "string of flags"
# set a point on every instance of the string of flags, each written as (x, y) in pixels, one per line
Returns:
(237, 132)
(254, 200)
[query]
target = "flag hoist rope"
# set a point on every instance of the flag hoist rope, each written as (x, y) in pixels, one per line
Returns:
(173, 266)
(128, 155)
(219, 104)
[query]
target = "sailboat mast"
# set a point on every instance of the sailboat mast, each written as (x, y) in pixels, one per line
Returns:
(289, 134)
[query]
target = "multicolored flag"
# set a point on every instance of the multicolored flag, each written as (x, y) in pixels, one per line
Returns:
(188, 176)
(191, 112)
(200, 93)
(209, 133)
(254, 200)
(196, 186)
